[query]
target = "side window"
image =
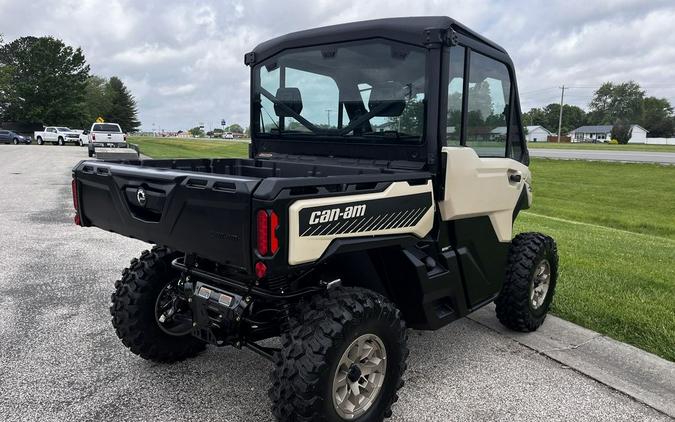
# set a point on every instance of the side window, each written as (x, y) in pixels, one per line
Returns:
(453, 130)
(488, 106)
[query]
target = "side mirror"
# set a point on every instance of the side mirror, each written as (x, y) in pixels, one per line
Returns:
(390, 96)
(291, 98)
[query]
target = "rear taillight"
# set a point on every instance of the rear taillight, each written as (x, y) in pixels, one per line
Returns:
(125, 136)
(93, 136)
(267, 242)
(73, 186)
(267, 224)
(263, 231)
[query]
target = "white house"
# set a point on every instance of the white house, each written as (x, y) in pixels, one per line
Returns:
(537, 134)
(603, 133)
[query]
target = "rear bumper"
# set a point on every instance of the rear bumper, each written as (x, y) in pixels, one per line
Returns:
(108, 144)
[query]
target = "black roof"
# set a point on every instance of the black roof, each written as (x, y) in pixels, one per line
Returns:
(408, 29)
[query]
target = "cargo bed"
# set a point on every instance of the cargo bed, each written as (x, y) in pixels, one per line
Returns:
(204, 206)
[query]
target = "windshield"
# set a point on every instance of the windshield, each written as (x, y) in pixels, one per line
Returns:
(63, 129)
(106, 127)
(371, 90)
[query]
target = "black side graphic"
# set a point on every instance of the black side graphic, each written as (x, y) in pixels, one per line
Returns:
(364, 216)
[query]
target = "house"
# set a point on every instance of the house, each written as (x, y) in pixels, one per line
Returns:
(603, 133)
(534, 133)
(537, 134)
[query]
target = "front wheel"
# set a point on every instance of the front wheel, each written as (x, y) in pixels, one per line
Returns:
(61, 142)
(149, 312)
(530, 281)
(39, 141)
(16, 141)
(342, 359)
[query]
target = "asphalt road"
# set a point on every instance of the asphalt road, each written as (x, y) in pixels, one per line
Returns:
(627, 156)
(60, 359)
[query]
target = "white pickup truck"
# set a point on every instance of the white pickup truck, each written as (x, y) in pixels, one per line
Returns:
(106, 135)
(57, 135)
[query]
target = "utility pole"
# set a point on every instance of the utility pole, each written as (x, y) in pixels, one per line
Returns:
(328, 110)
(562, 98)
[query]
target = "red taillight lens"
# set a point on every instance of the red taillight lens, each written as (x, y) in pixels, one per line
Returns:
(263, 229)
(260, 269)
(125, 136)
(267, 225)
(274, 225)
(93, 136)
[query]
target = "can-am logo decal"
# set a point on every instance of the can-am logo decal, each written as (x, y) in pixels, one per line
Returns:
(364, 217)
(334, 214)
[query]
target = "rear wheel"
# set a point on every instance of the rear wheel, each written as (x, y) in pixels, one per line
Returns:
(342, 358)
(530, 281)
(149, 312)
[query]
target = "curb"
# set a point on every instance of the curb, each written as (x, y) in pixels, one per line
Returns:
(641, 375)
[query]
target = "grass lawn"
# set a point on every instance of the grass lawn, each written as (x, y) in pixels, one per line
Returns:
(615, 228)
(603, 147)
(189, 148)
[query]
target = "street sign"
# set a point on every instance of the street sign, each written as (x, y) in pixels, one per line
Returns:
(99, 119)
(223, 122)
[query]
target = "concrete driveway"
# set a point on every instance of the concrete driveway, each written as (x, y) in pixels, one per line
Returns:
(626, 156)
(60, 359)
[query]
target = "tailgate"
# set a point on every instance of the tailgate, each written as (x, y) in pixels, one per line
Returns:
(205, 214)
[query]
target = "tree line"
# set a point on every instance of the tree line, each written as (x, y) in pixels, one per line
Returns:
(616, 104)
(43, 81)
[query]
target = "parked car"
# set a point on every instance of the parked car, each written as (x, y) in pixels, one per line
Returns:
(105, 135)
(10, 137)
(57, 135)
(228, 135)
(84, 136)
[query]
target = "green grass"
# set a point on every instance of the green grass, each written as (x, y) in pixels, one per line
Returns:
(602, 147)
(189, 148)
(615, 228)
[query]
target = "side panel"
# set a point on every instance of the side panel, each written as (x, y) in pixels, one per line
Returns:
(477, 186)
(400, 209)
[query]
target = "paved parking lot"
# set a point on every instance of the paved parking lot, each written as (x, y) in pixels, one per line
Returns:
(60, 359)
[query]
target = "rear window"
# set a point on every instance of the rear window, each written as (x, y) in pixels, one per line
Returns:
(106, 127)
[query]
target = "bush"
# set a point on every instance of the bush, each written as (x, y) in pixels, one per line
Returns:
(613, 142)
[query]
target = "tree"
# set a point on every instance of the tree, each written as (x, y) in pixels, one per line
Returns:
(42, 81)
(196, 132)
(235, 128)
(621, 101)
(621, 131)
(97, 102)
(657, 117)
(122, 106)
(573, 117)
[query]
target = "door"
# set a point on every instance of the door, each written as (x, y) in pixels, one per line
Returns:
(50, 134)
(484, 181)
(4, 136)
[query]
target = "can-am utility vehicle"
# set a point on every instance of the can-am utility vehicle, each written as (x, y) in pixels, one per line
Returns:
(386, 167)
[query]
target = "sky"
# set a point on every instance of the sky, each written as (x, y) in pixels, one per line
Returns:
(183, 60)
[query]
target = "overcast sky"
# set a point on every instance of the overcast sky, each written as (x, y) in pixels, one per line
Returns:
(183, 60)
